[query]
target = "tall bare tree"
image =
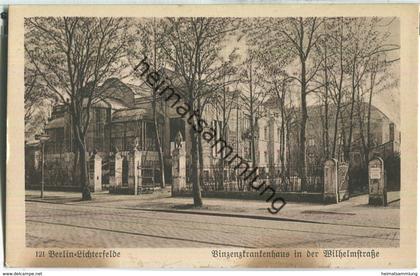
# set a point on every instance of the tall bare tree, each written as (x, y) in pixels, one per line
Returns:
(192, 48)
(367, 41)
(151, 35)
(73, 56)
(253, 96)
(223, 102)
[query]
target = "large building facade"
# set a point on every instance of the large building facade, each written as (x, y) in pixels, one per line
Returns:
(321, 132)
(122, 121)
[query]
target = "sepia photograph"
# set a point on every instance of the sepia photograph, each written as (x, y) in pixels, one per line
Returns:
(132, 123)
(253, 138)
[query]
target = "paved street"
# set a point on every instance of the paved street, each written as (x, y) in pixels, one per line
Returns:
(126, 223)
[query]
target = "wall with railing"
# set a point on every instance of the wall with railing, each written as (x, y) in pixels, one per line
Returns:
(216, 179)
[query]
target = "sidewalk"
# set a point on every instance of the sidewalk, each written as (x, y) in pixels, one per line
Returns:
(355, 211)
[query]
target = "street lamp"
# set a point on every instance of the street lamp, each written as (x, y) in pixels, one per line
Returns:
(43, 138)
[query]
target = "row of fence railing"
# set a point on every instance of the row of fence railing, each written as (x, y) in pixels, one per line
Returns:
(57, 173)
(293, 184)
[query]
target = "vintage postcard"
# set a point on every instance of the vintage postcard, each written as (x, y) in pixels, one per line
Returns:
(212, 136)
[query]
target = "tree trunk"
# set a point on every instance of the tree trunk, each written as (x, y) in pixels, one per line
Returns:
(353, 93)
(302, 134)
(253, 152)
(196, 189)
(341, 156)
(252, 116)
(200, 149)
(222, 160)
(221, 179)
(339, 96)
(360, 116)
(350, 138)
(81, 148)
(84, 181)
(200, 159)
(75, 178)
(326, 137)
(337, 114)
(282, 142)
(372, 84)
(326, 122)
(223, 134)
(155, 119)
(159, 145)
(288, 148)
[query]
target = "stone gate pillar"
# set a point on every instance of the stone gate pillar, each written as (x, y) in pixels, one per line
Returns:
(116, 176)
(134, 171)
(377, 182)
(95, 172)
(343, 181)
(331, 181)
(179, 168)
(118, 169)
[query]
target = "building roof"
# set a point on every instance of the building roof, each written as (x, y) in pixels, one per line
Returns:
(142, 90)
(376, 113)
(32, 143)
(313, 110)
(107, 103)
(112, 89)
(55, 123)
(115, 104)
(133, 114)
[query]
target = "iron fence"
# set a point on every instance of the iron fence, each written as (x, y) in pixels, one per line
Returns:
(281, 179)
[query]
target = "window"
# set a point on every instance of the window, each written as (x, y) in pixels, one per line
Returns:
(217, 126)
(150, 137)
(311, 142)
(391, 132)
(265, 157)
(59, 135)
(265, 133)
(247, 153)
(340, 140)
(356, 158)
(99, 129)
(206, 176)
(118, 134)
(372, 140)
(55, 144)
(262, 172)
(246, 123)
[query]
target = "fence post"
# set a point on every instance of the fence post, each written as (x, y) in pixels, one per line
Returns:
(377, 182)
(95, 172)
(342, 181)
(179, 169)
(134, 171)
(330, 181)
(118, 170)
